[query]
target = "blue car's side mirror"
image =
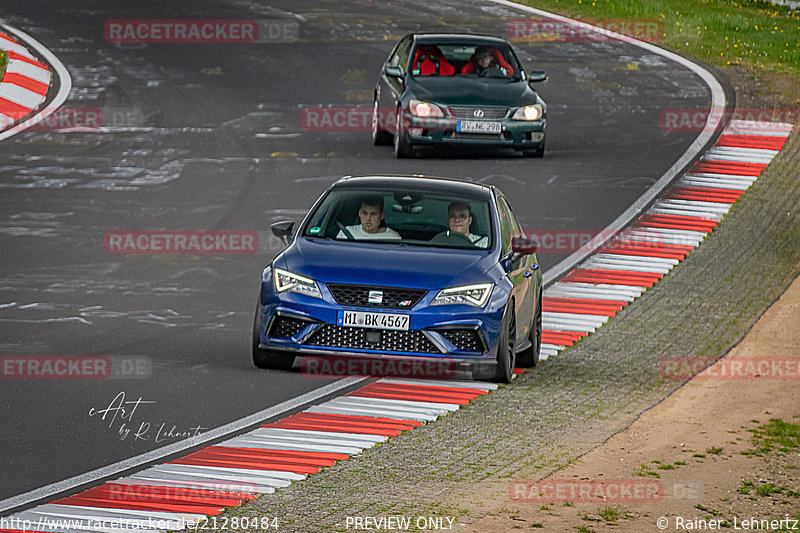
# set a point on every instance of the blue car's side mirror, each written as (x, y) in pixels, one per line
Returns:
(283, 230)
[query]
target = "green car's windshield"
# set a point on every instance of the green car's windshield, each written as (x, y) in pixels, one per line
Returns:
(493, 61)
(403, 218)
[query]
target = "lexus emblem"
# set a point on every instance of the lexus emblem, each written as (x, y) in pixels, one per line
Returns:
(478, 113)
(375, 297)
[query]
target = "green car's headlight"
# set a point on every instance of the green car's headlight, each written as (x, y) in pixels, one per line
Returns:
(286, 281)
(424, 109)
(475, 295)
(529, 112)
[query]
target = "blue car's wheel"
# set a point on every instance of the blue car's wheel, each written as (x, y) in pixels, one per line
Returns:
(530, 356)
(506, 347)
(266, 358)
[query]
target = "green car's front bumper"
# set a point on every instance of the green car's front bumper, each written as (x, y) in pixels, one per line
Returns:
(517, 134)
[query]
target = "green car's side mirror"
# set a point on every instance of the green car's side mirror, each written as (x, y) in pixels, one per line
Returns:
(537, 75)
(395, 72)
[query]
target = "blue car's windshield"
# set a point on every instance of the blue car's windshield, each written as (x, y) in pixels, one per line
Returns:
(495, 61)
(403, 218)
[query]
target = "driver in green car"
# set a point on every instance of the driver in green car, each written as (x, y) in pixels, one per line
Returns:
(459, 218)
(371, 216)
(483, 60)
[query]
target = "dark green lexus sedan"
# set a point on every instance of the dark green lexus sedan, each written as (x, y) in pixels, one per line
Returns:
(444, 88)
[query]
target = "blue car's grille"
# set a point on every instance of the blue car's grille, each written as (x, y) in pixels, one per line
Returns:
(333, 336)
(389, 297)
(467, 340)
(286, 326)
(468, 112)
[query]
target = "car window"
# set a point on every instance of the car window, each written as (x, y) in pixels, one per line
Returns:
(416, 218)
(509, 227)
(459, 57)
(400, 56)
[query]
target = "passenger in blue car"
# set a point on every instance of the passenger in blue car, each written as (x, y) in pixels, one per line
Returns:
(459, 218)
(371, 215)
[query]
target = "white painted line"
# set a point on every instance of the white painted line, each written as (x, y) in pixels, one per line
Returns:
(627, 265)
(698, 205)
(574, 318)
(361, 411)
(563, 289)
(685, 212)
(275, 443)
(13, 46)
(322, 437)
(751, 127)
(29, 71)
(411, 404)
(20, 95)
(242, 475)
(714, 183)
(442, 383)
(238, 425)
(192, 483)
(200, 478)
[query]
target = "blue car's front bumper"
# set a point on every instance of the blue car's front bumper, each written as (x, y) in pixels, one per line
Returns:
(307, 325)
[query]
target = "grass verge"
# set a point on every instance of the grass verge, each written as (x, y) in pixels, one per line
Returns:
(3, 63)
(758, 36)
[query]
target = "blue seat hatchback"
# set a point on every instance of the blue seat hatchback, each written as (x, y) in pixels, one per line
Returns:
(403, 268)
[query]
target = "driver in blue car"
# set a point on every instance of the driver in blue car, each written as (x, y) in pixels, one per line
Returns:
(372, 224)
(459, 218)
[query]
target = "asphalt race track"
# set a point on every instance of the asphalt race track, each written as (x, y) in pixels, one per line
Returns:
(211, 137)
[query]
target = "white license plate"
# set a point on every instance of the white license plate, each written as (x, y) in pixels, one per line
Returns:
(470, 126)
(365, 319)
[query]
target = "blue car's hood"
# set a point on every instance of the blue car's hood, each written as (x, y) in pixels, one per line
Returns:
(471, 91)
(388, 265)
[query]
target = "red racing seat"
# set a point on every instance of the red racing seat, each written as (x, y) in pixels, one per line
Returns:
(431, 61)
(471, 65)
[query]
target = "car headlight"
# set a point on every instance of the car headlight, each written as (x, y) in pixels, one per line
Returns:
(529, 112)
(475, 295)
(424, 109)
(286, 281)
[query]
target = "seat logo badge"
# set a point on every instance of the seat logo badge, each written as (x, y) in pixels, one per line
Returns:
(405, 303)
(478, 113)
(375, 297)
